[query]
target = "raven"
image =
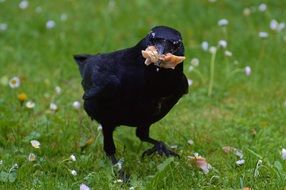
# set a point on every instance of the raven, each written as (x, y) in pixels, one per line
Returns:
(120, 89)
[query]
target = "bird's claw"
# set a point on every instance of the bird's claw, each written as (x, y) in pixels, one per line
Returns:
(121, 174)
(161, 149)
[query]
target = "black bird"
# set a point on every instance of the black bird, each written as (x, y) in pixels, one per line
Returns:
(119, 89)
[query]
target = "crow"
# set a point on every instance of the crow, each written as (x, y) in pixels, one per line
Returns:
(120, 89)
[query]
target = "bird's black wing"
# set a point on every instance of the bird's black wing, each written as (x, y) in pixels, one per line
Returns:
(100, 78)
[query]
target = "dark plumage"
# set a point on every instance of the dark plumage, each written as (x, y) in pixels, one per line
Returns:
(119, 89)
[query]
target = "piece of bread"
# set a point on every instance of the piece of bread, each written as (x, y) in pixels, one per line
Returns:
(164, 61)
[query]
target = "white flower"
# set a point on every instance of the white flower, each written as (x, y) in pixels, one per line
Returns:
(174, 146)
(23, 4)
(238, 153)
(64, 17)
(35, 143)
(190, 82)
(222, 22)
(73, 172)
(195, 62)
(190, 142)
(118, 181)
(99, 128)
(262, 7)
(213, 50)
(131, 188)
(283, 154)
(14, 82)
(227, 53)
(76, 105)
(191, 68)
(50, 24)
(3, 26)
(30, 104)
(32, 157)
(58, 89)
(205, 45)
(222, 43)
(263, 34)
(240, 162)
(246, 12)
(83, 187)
(53, 107)
(247, 70)
(73, 158)
(273, 24)
(38, 9)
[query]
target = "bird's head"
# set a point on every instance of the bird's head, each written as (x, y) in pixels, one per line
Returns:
(163, 46)
(166, 40)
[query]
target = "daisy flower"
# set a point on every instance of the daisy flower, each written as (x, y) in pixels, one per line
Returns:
(247, 70)
(76, 105)
(35, 143)
(222, 22)
(14, 82)
(30, 104)
(50, 24)
(23, 4)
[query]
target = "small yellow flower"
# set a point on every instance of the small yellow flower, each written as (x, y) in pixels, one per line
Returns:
(22, 97)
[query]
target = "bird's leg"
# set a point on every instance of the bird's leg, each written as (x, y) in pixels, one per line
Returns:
(143, 134)
(109, 148)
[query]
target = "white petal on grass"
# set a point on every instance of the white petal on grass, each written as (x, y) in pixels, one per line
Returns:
(32, 157)
(222, 22)
(256, 170)
(83, 187)
(263, 35)
(99, 128)
(283, 154)
(24, 4)
(173, 146)
(3, 27)
(195, 62)
(238, 153)
(205, 45)
(222, 43)
(240, 162)
(247, 70)
(14, 82)
(190, 82)
(50, 24)
(190, 142)
(227, 53)
(53, 107)
(76, 105)
(262, 7)
(72, 158)
(35, 143)
(118, 181)
(30, 104)
(131, 188)
(73, 172)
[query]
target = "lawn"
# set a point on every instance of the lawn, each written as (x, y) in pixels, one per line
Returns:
(235, 110)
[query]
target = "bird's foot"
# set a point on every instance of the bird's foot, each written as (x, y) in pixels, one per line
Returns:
(161, 149)
(120, 172)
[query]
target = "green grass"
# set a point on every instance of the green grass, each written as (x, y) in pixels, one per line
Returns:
(243, 112)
